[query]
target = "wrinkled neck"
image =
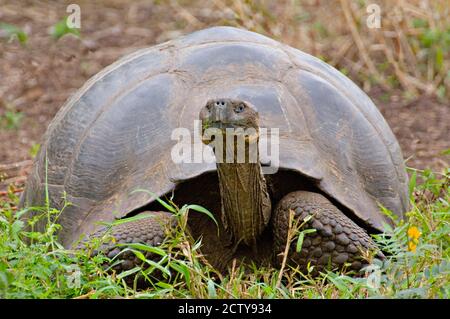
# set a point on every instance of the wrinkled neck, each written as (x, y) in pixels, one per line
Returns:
(246, 204)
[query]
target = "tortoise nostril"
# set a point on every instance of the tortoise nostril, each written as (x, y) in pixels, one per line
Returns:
(219, 103)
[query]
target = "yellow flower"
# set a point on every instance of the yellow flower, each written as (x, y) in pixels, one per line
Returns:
(412, 246)
(413, 236)
(414, 233)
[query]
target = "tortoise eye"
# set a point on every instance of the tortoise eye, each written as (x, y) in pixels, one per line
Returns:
(240, 108)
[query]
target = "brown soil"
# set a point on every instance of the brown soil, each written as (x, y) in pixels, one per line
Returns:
(36, 78)
(422, 127)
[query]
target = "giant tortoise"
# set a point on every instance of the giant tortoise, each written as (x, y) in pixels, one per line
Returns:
(337, 158)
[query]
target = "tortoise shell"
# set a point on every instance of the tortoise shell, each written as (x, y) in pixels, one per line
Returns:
(114, 135)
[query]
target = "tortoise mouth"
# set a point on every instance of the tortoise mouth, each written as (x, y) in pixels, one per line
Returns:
(228, 132)
(225, 125)
(222, 125)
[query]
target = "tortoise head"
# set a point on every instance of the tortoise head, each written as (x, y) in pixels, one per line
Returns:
(230, 116)
(229, 113)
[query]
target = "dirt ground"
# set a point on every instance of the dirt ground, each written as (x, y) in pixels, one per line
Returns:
(36, 78)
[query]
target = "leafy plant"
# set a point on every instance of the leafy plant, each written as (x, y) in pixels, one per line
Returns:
(34, 149)
(61, 28)
(11, 119)
(14, 32)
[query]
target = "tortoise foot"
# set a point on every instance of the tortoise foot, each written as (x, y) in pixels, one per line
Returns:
(149, 230)
(337, 240)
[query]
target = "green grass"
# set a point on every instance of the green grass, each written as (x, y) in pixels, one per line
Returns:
(34, 265)
(61, 28)
(13, 31)
(11, 120)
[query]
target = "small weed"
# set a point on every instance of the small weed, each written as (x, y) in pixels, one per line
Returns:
(14, 32)
(61, 28)
(34, 149)
(11, 120)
